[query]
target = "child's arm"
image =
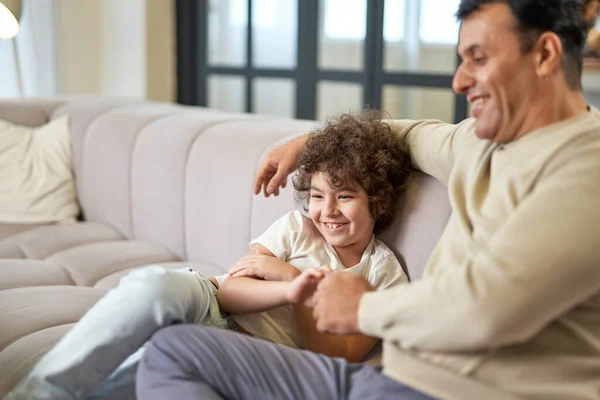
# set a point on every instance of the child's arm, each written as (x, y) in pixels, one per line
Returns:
(248, 295)
(257, 283)
(353, 348)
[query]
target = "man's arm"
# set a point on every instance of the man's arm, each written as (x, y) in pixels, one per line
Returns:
(541, 263)
(435, 145)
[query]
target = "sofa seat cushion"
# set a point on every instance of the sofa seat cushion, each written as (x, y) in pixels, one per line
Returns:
(33, 319)
(41, 242)
(77, 254)
(7, 230)
(27, 310)
(23, 354)
(18, 273)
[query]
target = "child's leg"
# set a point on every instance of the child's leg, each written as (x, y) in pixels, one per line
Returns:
(117, 326)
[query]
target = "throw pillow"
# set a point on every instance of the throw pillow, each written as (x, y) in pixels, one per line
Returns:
(36, 175)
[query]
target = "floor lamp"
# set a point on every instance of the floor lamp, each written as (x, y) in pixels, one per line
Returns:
(10, 12)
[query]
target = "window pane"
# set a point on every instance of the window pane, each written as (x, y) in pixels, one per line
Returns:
(438, 24)
(334, 98)
(227, 21)
(227, 93)
(419, 103)
(342, 29)
(275, 28)
(429, 36)
(274, 96)
(393, 20)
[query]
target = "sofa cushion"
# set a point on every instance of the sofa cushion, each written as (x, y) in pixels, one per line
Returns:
(31, 309)
(89, 263)
(36, 174)
(77, 254)
(41, 242)
(17, 273)
(24, 353)
(7, 230)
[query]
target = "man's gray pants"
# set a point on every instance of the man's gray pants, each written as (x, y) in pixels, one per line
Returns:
(196, 362)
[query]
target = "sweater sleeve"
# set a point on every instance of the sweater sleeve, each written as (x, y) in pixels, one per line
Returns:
(542, 262)
(435, 145)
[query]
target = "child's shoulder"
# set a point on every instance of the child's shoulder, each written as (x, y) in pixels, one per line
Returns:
(381, 251)
(297, 221)
(305, 225)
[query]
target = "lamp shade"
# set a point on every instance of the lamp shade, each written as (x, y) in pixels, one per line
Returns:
(9, 25)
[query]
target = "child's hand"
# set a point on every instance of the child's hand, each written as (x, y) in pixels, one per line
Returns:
(265, 267)
(304, 286)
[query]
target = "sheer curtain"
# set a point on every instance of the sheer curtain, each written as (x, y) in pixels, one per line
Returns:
(36, 55)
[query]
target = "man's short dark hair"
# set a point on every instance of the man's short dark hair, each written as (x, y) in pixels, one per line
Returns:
(563, 17)
(358, 148)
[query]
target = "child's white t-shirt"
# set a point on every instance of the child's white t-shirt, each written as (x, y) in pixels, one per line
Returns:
(294, 238)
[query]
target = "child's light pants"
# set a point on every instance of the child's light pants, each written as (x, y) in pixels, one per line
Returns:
(110, 334)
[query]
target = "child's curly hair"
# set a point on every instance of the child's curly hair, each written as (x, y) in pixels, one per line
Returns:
(362, 148)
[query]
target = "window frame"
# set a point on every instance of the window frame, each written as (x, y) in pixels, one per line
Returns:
(193, 69)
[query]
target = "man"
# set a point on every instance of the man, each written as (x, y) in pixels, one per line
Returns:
(509, 305)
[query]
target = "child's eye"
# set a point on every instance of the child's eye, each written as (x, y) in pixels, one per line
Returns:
(316, 196)
(345, 197)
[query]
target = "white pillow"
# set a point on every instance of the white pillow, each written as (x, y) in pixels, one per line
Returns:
(36, 176)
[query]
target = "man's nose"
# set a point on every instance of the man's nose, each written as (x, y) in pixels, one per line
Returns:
(463, 80)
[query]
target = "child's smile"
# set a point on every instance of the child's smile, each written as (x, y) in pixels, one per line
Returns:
(341, 214)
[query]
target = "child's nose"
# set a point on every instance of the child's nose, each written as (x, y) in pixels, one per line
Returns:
(331, 207)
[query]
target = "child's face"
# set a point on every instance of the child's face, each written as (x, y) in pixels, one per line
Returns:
(341, 214)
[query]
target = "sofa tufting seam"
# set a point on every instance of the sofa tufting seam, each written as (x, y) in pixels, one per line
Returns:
(257, 164)
(79, 186)
(185, 178)
(138, 134)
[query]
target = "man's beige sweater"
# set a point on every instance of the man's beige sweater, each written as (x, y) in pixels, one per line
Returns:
(509, 304)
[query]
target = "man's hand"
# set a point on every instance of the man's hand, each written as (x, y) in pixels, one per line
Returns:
(265, 267)
(336, 302)
(303, 288)
(277, 165)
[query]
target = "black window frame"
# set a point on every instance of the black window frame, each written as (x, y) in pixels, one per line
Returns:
(193, 69)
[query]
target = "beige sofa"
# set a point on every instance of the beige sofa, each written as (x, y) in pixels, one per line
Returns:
(157, 183)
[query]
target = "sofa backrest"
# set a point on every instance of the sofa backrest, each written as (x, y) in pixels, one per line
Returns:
(183, 177)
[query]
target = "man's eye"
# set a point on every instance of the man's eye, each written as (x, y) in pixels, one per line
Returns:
(478, 60)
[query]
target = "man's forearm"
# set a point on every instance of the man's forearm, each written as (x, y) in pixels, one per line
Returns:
(247, 295)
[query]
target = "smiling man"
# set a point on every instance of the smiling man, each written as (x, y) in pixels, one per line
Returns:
(509, 305)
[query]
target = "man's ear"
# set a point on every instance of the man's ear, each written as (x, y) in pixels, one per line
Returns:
(548, 54)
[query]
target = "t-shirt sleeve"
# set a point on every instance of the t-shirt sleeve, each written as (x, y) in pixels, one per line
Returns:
(386, 273)
(280, 237)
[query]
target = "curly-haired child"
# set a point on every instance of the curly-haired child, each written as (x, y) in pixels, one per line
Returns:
(351, 174)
